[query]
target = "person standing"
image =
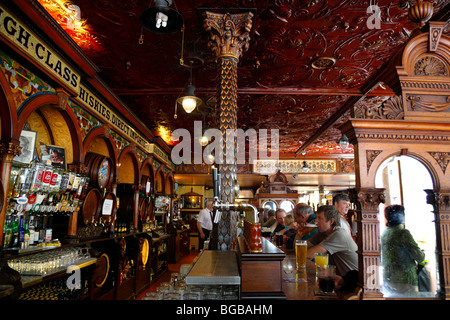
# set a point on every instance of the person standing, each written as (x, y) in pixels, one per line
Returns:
(342, 203)
(400, 253)
(205, 223)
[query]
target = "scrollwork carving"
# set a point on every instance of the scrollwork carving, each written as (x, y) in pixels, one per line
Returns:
(370, 156)
(380, 108)
(442, 158)
(368, 199)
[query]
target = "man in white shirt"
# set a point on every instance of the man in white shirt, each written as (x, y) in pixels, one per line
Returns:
(205, 223)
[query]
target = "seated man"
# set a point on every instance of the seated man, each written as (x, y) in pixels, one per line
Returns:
(304, 215)
(280, 214)
(334, 240)
(270, 220)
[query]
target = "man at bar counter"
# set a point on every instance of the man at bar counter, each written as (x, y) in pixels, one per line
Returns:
(303, 215)
(337, 242)
(205, 223)
(280, 214)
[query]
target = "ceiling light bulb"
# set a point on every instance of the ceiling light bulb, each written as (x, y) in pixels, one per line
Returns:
(204, 141)
(161, 19)
(189, 104)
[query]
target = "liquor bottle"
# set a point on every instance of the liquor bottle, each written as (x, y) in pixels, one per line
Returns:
(76, 182)
(26, 236)
(21, 231)
(37, 169)
(47, 176)
(31, 229)
(55, 181)
(21, 185)
(64, 181)
(15, 231)
(7, 233)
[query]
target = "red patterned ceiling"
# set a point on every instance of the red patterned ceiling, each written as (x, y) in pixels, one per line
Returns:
(278, 85)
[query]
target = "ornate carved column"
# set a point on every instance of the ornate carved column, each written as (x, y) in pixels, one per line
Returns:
(440, 200)
(8, 150)
(367, 201)
(229, 38)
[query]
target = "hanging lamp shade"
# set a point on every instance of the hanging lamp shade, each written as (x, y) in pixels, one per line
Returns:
(161, 19)
(344, 142)
(189, 101)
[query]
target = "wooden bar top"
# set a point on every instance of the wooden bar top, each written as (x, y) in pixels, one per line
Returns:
(301, 285)
(298, 285)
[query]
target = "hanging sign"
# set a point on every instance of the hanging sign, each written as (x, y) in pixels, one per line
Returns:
(93, 103)
(16, 33)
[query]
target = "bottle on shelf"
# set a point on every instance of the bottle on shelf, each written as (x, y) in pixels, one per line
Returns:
(7, 233)
(21, 232)
(47, 176)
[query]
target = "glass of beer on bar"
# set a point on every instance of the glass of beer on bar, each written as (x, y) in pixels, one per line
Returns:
(321, 259)
(300, 254)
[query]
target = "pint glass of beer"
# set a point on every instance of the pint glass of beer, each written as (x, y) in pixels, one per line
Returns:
(300, 253)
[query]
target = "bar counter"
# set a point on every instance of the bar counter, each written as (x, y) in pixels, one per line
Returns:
(272, 274)
(301, 285)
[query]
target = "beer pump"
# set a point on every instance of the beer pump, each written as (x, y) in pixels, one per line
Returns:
(219, 205)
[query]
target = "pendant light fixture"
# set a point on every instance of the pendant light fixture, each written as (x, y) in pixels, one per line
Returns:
(344, 142)
(305, 167)
(188, 100)
(161, 19)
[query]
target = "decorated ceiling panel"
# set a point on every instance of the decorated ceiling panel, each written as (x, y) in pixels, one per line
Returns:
(305, 60)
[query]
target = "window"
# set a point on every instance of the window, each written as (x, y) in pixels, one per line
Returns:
(405, 179)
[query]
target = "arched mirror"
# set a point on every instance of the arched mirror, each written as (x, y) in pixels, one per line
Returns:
(405, 178)
(269, 204)
(287, 205)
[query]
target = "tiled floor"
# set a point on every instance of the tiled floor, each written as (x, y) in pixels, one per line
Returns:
(172, 268)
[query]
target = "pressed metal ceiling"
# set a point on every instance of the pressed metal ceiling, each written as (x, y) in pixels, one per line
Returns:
(305, 60)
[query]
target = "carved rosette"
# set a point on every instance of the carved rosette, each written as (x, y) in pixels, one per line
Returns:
(229, 37)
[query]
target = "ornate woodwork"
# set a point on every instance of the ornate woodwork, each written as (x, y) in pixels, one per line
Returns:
(229, 37)
(369, 256)
(415, 123)
(440, 200)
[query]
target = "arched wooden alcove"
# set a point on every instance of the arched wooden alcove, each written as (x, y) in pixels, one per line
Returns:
(415, 122)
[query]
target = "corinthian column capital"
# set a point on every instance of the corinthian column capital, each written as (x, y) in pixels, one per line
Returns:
(229, 33)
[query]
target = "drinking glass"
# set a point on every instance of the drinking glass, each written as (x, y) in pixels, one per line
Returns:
(153, 295)
(300, 253)
(326, 276)
(321, 259)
